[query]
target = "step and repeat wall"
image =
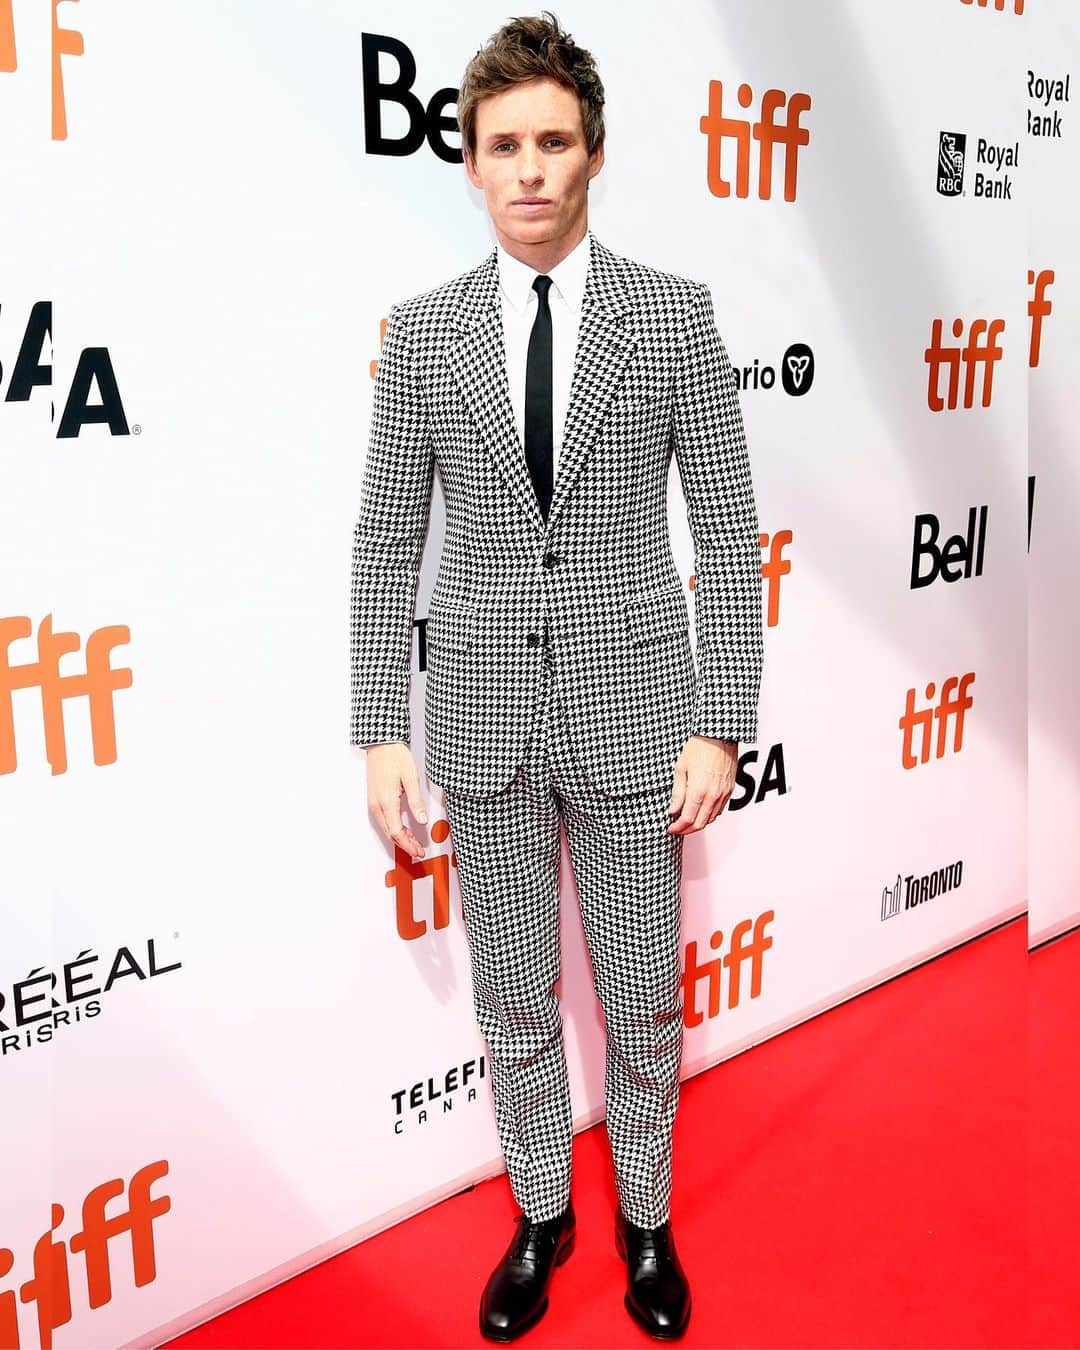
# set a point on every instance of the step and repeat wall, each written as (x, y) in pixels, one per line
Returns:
(237, 1031)
(1053, 300)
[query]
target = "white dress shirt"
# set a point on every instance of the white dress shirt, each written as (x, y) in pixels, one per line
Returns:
(519, 306)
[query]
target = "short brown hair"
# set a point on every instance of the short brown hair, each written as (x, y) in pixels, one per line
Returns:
(523, 49)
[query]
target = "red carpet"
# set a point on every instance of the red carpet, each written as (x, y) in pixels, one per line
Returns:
(858, 1181)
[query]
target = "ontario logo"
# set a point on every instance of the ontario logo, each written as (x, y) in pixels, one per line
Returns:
(48, 1289)
(63, 42)
(92, 397)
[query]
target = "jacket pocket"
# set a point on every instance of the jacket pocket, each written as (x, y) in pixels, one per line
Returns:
(451, 627)
(649, 616)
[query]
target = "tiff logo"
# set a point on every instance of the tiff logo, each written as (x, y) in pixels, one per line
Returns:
(981, 349)
(96, 684)
(404, 875)
(1000, 5)
(65, 42)
(773, 568)
(710, 972)
(954, 699)
(49, 1289)
(1039, 308)
(766, 132)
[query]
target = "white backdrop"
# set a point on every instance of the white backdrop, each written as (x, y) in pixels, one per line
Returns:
(217, 223)
(1054, 469)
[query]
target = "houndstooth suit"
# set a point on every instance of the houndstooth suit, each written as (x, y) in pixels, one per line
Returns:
(560, 680)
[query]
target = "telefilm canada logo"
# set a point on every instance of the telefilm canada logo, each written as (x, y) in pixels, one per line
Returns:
(912, 891)
(50, 1286)
(438, 1094)
(48, 999)
(91, 399)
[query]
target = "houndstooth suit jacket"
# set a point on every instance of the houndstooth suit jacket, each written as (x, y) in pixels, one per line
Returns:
(651, 377)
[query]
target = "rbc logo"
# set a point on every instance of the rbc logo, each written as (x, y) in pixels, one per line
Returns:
(951, 148)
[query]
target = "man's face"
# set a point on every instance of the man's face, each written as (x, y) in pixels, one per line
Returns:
(530, 143)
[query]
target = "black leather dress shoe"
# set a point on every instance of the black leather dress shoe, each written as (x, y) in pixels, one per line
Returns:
(657, 1293)
(515, 1296)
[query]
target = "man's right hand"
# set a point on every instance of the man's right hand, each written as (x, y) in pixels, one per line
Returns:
(391, 773)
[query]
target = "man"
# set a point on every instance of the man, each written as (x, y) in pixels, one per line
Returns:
(550, 385)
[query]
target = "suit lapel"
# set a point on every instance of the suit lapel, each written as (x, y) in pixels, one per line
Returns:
(477, 356)
(606, 339)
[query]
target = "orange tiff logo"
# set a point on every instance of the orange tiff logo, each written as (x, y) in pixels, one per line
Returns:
(954, 699)
(65, 42)
(1039, 308)
(1017, 5)
(97, 684)
(767, 132)
(49, 1288)
(981, 350)
(403, 877)
(773, 568)
(746, 949)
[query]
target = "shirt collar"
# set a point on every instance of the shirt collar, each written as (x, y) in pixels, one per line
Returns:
(568, 276)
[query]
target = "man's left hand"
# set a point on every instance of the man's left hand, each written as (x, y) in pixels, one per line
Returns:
(704, 777)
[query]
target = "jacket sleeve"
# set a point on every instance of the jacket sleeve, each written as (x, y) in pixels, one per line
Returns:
(714, 467)
(388, 543)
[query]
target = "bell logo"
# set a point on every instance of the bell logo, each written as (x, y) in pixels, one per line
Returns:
(947, 363)
(97, 684)
(49, 1288)
(766, 133)
(65, 42)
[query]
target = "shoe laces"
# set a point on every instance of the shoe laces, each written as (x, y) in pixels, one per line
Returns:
(531, 1237)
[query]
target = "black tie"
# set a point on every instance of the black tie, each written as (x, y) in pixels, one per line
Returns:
(538, 434)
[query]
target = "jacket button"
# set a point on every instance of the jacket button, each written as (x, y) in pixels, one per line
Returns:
(533, 639)
(550, 559)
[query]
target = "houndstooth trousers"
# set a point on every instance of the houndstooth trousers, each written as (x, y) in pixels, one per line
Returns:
(628, 870)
